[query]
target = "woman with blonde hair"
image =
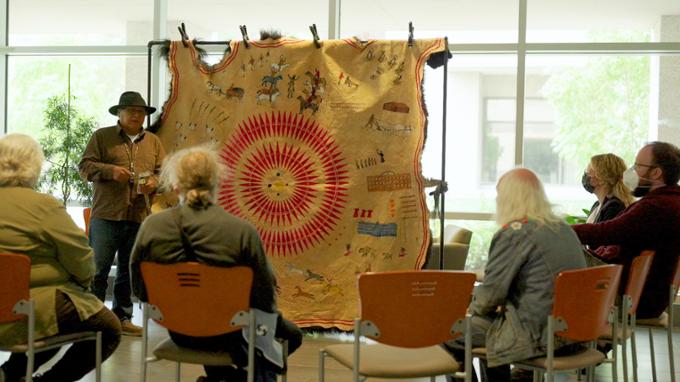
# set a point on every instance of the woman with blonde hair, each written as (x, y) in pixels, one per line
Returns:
(62, 268)
(215, 237)
(510, 308)
(604, 178)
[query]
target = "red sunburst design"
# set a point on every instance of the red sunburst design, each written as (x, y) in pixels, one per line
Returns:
(286, 175)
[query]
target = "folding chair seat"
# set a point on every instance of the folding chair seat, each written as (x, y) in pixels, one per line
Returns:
(629, 302)
(581, 312)
(410, 314)
(665, 321)
(182, 298)
(15, 305)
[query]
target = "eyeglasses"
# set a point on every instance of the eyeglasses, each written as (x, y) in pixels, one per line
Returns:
(636, 165)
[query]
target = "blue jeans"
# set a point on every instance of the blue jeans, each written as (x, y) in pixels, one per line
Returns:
(108, 238)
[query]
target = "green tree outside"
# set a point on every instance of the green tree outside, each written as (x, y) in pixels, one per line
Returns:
(603, 106)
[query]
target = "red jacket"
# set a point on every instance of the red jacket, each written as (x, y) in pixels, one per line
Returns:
(653, 222)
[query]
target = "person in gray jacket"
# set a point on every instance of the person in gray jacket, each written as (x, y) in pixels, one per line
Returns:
(510, 308)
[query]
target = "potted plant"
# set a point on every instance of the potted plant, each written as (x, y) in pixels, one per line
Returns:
(65, 136)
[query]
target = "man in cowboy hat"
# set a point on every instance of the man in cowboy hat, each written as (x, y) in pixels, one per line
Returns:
(122, 162)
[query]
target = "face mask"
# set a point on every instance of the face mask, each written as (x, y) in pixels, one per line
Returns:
(632, 180)
(585, 181)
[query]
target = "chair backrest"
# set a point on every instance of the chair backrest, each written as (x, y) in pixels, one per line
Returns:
(87, 211)
(455, 255)
(637, 276)
(15, 279)
(414, 308)
(196, 299)
(455, 234)
(583, 300)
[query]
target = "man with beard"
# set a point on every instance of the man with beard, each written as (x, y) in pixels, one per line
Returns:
(650, 223)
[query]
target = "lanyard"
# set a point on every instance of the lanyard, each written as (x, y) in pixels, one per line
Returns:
(131, 157)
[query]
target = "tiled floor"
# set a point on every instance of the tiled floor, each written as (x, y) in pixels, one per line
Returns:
(123, 366)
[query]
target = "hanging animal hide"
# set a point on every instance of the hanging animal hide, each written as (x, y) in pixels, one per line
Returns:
(323, 149)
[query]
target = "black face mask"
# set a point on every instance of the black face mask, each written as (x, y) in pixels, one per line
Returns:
(585, 181)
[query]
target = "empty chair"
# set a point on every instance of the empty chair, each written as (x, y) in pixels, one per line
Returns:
(409, 314)
(581, 312)
(456, 247)
(15, 305)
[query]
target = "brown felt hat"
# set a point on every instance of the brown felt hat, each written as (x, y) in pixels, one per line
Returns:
(131, 99)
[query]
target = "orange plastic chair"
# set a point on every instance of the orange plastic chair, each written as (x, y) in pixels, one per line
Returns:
(15, 305)
(666, 321)
(86, 218)
(636, 281)
(410, 314)
(582, 312)
(218, 300)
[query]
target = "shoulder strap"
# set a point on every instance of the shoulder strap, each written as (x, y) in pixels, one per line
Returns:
(188, 249)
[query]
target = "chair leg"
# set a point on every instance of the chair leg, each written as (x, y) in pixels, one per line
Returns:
(284, 376)
(671, 358)
(30, 355)
(98, 358)
(634, 351)
(145, 340)
(177, 372)
(624, 353)
(651, 353)
(322, 356)
(671, 322)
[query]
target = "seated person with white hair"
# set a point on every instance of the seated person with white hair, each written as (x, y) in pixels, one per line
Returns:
(510, 308)
(62, 268)
(216, 238)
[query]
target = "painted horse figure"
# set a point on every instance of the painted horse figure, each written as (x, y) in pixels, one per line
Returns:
(309, 103)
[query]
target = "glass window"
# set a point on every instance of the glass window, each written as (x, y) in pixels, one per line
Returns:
(583, 106)
(476, 149)
(35, 79)
(219, 20)
(80, 22)
(482, 233)
(601, 21)
(460, 20)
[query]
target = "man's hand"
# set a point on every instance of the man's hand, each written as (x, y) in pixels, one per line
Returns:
(148, 186)
(121, 174)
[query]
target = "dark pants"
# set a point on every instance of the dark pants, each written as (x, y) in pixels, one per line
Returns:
(479, 326)
(79, 359)
(108, 237)
(236, 346)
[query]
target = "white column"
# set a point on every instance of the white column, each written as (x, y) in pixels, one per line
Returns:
(158, 82)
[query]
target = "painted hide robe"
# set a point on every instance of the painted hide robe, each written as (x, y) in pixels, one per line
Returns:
(322, 148)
